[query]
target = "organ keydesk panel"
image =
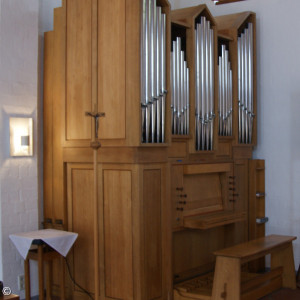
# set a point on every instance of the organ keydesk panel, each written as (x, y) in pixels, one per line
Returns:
(165, 189)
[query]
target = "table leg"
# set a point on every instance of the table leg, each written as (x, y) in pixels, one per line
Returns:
(27, 279)
(62, 282)
(41, 272)
(48, 279)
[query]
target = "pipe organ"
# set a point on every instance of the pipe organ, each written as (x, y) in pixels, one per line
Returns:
(165, 170)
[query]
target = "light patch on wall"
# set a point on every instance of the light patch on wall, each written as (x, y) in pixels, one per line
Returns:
(20, 136)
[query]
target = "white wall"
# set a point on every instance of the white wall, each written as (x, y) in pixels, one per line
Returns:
(20, 95)
(278, 65)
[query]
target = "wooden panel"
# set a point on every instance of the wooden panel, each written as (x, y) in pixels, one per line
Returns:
(79, 69)
(206, 168)
(208, 221)
(111, 50)
(80, 211)
(59, 203)
(48, 123)
(177, 189)
(118, 234)
(177, 149)
(152, 233)
(192, 251)
(133, 20)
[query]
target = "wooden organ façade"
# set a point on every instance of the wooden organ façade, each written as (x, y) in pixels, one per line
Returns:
(173, 180)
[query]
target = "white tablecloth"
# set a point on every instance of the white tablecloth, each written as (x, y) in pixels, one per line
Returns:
(61, 241)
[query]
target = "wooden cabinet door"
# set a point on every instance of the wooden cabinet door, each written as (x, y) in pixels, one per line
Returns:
(80, 219)
(95, 66)
(117, 233)
(79, 70)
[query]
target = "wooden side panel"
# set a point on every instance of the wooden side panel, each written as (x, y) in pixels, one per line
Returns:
(80, 210)
(48, 123)
(153, 239)
(256, 205)
(193, 251)
(79, 69)
(111, 80)
(59, 44)
(118, 234)
(240, 198)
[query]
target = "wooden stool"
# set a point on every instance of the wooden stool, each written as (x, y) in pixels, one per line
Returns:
(227, 278)
(41, 254)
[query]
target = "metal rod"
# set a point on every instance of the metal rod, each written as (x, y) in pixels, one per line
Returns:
(164, 76)
(158, 74)
(203, 68)
(239, 90)
(207, 85)
(188, 100)
(251, 106)
(212, 108)
(175, 85)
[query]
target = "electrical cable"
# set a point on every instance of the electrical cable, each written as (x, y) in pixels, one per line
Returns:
(73, 280)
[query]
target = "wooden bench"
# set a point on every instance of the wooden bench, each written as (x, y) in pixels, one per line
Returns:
(227, 277)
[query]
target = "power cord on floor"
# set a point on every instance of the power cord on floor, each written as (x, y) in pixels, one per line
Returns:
(80, 287)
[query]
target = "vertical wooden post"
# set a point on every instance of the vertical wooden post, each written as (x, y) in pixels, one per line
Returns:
(62, 280)
(227, 279)
(41, 272)
(285, 258)
(48, 279)
(27, 278)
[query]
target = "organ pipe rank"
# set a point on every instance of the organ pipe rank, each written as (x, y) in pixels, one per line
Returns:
(245, 85)
(180, 90)
(225, 94)
(204, 75)
(153, 72)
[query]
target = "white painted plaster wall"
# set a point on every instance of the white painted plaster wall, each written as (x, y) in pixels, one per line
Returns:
(22, 24)
(18, 97)
(278, 66)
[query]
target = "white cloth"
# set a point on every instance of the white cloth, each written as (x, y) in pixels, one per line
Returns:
(61, 241)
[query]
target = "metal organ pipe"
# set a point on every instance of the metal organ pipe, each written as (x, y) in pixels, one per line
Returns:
(204, 85)
(153, 72)
(245, 84)
(180, 90)
(225, 94)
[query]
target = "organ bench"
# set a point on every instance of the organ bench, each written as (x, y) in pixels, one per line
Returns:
(229, 282)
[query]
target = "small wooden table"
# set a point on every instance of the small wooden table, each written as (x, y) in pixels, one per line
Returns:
(42, 254)
(227, 278)
(51, 244)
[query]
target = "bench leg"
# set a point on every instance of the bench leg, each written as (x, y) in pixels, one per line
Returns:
(285, 258)
(227, 279)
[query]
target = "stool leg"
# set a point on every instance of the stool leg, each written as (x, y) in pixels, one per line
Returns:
(227, 279)
(27, 279)
(285, 258)
(41, 272)
(48, 279)
(62, 279)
